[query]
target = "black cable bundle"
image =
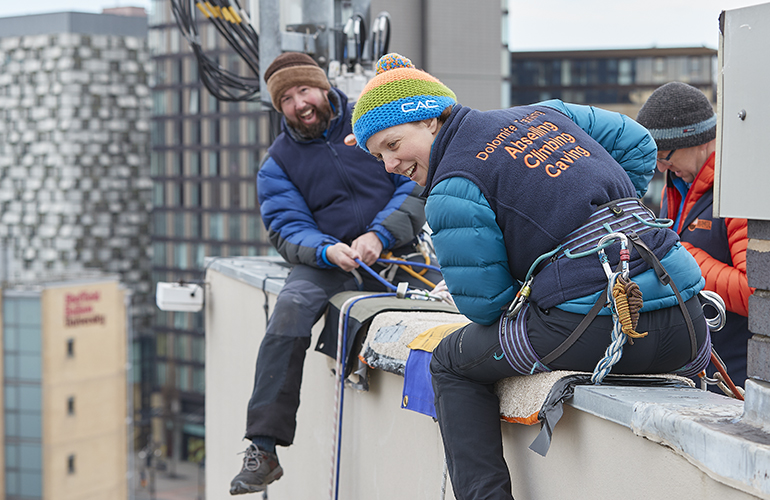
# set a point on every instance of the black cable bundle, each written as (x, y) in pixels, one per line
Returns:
(233, 24)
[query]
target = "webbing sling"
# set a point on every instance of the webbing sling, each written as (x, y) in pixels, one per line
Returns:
(575, 335)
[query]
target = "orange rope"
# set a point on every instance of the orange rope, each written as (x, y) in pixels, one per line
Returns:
(628, 301)
(410, 271)
(722, 371)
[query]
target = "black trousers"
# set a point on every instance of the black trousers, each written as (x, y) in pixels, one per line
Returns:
(468, 362)
(272, 409)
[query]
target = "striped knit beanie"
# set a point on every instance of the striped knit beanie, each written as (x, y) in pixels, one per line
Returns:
(399, 93)
(678, 116)
(290, 69)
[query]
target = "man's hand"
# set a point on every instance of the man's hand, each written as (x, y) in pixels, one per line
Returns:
(369, 246)
(343, 256)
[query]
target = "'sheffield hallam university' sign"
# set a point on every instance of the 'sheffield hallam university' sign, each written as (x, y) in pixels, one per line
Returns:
(79, 309)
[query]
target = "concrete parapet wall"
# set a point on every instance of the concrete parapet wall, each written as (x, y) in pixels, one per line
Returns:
(598, 448)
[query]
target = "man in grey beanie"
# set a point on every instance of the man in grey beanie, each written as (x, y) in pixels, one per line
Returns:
(682, 121)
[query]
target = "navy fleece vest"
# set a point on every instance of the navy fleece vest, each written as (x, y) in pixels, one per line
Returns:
(343, 186)
(543, 176)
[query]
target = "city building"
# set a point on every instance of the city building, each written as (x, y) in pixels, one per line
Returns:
(65, 390)
(75, 188)
(618, 80)
(463, 44)
(205, 155)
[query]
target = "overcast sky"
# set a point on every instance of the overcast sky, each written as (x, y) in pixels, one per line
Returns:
(542, 24)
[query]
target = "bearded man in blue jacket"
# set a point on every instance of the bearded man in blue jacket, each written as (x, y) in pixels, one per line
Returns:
(325, 205)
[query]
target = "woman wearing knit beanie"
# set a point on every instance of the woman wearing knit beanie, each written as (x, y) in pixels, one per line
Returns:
(505, 189)
(683, 124)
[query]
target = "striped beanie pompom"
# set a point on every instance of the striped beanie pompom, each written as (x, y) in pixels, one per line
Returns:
(399, 93)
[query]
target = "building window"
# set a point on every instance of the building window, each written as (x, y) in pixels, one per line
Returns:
(158, 198)
(234, 130)
(70, 348)
(213, 170)
(216, 227)
(180, 255)
(234, 233)
(71, 405)
(159, 254)
(71, 464)
(195, 157)
(179, 225)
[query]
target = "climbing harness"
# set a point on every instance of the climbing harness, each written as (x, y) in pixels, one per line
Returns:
(622, 219)
(626, 215)
(401, 291)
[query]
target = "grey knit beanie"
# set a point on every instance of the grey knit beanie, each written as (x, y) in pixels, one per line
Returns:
(678, 116)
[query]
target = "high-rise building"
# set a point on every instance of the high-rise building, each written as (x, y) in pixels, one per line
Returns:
(205, 155)
(75, 188)
(64, 385)
(461, 43)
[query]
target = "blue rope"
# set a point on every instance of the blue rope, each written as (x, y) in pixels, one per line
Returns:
(614, 351)
(379, 278)
(342, 380)
(344, 351)
(588, 252)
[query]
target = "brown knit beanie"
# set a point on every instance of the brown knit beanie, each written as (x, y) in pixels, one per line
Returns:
(290, 69)
(678, 116)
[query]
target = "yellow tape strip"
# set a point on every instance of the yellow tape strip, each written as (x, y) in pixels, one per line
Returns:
(203, 9)
(235, 15)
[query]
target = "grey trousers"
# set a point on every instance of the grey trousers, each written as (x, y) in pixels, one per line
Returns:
(272, 409)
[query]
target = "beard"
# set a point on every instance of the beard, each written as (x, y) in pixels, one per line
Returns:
(316, 129)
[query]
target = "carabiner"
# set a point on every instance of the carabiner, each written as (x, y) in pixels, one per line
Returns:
(521, 298)
(625, 254)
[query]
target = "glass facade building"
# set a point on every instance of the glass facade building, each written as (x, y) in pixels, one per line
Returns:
(204, 159)
(607, 76)
(22, 397)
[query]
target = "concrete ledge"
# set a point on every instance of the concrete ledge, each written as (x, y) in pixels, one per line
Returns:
(705, 428)
(711, 448)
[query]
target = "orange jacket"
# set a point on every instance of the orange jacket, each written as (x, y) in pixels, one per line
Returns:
(718, 245)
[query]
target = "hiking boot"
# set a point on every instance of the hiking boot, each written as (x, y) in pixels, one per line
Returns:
(260, 468)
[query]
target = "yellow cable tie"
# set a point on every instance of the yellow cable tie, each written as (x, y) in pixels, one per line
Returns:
(226, 15)
(214, 10)
(203, 9)
(235, 15)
